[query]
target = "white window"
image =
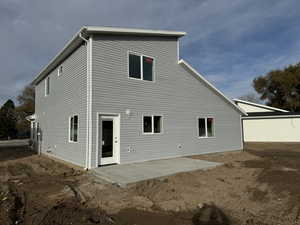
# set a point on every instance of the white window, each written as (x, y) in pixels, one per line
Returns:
(47, 86)
(73, 130)
(152, 124)
(60, 71)
(141, 67)
(206, 127)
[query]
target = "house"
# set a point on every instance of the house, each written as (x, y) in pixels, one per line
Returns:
(119, 95)
(268, 124)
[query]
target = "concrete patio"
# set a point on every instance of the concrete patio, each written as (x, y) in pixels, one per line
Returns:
(135, 172)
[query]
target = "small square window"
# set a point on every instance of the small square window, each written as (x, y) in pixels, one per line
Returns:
(152, 124)
(60, 71)
(206, 127)
(141, 67)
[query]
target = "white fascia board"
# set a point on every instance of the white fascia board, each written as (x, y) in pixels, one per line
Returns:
(271, 117)
(259, 105)
(132, 31)
(200, 77)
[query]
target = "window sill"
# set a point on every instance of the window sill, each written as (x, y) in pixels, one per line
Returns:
(140, 79)
(152, 133)
(207, 137)
(74, 142)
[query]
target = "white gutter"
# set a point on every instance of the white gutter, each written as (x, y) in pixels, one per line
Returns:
(270, 117)
(88, 100)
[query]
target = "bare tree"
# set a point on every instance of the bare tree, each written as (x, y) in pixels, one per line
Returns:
(250, 97)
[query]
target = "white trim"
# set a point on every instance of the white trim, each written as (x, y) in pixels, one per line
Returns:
(201, 78)
(97, 135)
(242, 132)
(90, 101)
(178, 56)
(89, 105)
(69, 136)
(142, 69)
(206, 131)
(152, 124)
(259, 105)
(132, 31)
(271, 117)
(87, 108)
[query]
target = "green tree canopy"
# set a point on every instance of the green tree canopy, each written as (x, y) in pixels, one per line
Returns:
(280, 88)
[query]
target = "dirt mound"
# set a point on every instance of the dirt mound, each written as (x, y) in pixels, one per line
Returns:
(209, 214)
(11, 205)
(139, 217)
(73, 213)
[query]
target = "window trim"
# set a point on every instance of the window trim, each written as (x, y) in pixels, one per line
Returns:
(214, 130)
(142, 69)
(152, 122)
(69, 136)
(47, 86)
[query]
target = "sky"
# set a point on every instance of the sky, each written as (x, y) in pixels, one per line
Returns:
(230, 42)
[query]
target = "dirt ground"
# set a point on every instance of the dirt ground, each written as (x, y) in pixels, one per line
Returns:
(258, 186)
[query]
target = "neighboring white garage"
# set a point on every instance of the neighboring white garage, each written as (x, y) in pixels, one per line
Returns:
(269, 124)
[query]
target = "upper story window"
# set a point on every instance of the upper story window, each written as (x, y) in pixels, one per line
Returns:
(60, 71)
(47, 86)
(141, 67)
(206, 127)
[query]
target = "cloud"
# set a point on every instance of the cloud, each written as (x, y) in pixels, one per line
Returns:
(229, 42)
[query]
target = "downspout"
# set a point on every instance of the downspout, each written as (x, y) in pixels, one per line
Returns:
(88, 115)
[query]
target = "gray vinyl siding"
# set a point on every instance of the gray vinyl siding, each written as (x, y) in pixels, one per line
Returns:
(67, 97)
(176, 95)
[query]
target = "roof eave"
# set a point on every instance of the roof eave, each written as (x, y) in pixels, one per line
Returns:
(67, 49)
(259, 105)
(132, 31)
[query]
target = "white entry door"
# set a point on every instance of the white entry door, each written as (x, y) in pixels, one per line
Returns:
(108, 140)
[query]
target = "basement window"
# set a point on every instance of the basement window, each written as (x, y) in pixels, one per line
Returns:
(141, 67)
(152, 124)
(206, 127)
(73, 132)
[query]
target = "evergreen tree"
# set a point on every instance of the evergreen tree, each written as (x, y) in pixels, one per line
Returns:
(8, 120)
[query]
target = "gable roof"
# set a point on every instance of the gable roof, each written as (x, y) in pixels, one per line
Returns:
(212, 87)
(259, 105)
(86, 31)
